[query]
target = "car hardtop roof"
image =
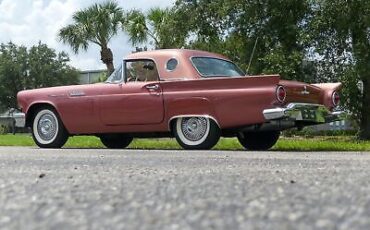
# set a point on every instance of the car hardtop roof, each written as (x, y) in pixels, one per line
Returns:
(167, 53)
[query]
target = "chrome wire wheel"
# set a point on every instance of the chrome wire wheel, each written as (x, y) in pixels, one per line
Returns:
(196, 132)
(45, 127)
(194, 128)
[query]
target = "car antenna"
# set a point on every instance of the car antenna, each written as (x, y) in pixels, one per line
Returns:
(251, 58)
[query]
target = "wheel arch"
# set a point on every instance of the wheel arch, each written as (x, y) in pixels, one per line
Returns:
(30, 114)
(173, 119)
(196, 106)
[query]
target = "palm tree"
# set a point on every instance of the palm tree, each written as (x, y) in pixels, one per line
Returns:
(96, 24)
(158, 27)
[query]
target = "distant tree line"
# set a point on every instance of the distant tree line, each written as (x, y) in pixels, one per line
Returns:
(305, 40)
(36, 67)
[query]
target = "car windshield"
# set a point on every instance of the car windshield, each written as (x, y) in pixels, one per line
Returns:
(116, 76)
(214, 67)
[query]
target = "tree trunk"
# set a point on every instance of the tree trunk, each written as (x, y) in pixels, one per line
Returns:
(361, 48)
(107, 59)
(365, 112)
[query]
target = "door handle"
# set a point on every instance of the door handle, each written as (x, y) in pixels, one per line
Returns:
(152, 87)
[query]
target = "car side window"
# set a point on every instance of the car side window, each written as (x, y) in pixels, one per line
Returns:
(116, 76)
(171, 64)
(141, 71)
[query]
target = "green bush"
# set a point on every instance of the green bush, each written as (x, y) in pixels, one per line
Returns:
(3, 129)
(309, 132)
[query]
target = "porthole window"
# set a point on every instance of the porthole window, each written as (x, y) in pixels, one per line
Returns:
(171, 64)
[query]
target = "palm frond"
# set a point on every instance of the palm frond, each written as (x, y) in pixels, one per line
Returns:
(97, 24)
(72, 35)
(136, 28)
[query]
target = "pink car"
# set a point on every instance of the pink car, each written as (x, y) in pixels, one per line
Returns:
(195, 96)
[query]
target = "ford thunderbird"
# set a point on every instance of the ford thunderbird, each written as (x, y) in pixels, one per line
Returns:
(194, 96)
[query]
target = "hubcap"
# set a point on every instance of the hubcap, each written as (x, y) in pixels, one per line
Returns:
(194, 128)
(47, 127)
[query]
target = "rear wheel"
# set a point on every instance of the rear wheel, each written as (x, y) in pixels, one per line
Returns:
(259, 140)
(196, 132)
(48, 130)
(115, 141)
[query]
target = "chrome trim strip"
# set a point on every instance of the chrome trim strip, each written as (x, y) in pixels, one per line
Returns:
(76, 94)
(56, 95)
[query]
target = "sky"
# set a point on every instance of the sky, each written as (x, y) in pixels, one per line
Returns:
(26, 22)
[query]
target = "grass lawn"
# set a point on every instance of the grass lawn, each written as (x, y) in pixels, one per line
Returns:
(320, 143)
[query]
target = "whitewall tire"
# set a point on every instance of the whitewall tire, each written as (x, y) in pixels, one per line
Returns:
(196, 132)
(47, 129)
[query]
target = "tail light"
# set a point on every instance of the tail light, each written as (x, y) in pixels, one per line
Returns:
(335, 98)
(280, 93)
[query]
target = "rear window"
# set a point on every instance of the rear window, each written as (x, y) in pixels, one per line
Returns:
(215, 67)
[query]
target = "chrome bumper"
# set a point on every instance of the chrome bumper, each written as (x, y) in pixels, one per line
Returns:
(312, 113)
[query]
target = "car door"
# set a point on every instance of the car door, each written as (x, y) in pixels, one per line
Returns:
(137, 100)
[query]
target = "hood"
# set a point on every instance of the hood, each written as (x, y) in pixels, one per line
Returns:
(60, 91)
(28, 97)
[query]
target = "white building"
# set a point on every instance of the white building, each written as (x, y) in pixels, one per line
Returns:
(92, 76)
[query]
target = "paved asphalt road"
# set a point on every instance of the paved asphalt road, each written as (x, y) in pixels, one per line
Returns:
(134, 189)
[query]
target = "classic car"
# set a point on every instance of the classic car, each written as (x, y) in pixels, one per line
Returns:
(194, 96)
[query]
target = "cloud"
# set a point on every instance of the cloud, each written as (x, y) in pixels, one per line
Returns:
(26, 22)
(7, 9)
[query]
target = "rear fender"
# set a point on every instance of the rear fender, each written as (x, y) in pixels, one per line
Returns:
(329, 86)
(190, 107)
(328, 90)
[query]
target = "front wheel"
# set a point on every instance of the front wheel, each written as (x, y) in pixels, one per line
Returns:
(48, 130)
(258, 140)
(196, 132)
(115, 141)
